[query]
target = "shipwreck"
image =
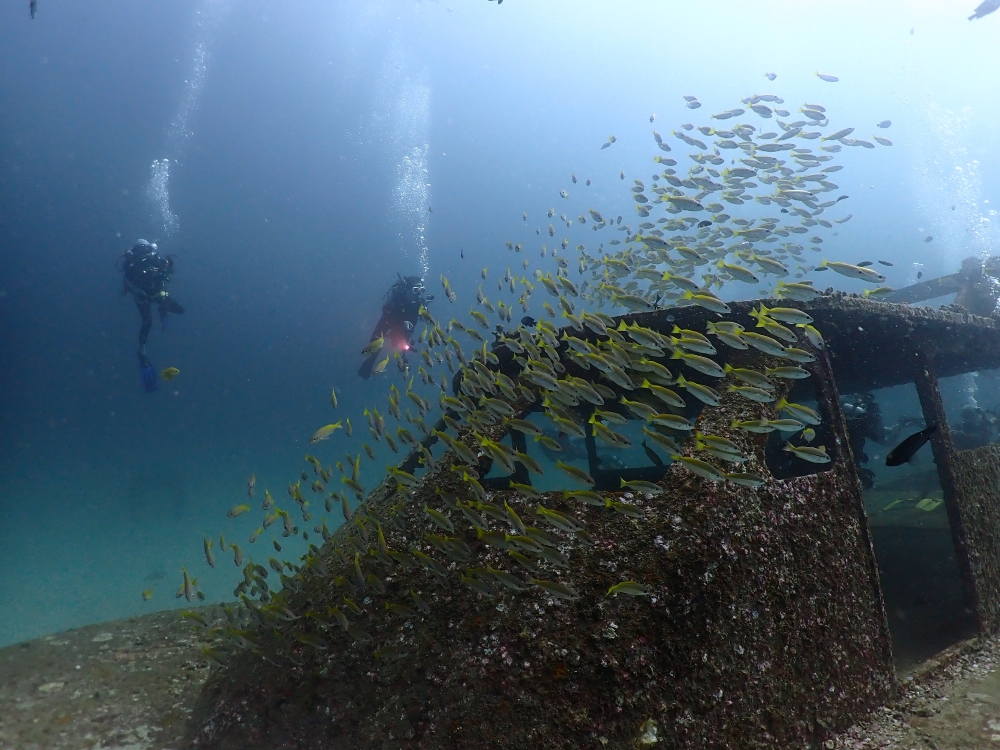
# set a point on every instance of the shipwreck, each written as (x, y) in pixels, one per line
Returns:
(769, 615)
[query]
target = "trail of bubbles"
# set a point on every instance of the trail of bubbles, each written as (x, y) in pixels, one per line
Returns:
(950, 190)
(411, 198)
(158, 191)
(951, 197)
(411, 194)
(208, 18)
(403, 104)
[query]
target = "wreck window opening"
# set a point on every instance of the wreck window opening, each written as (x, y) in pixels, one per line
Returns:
(498, 477)
(438, 447)
(972, 405)
(573, 453)
(644, 459)
(413, 462)
(607, 464)
(415, 457)
(610, 464)
(782, 463)
(926, 604)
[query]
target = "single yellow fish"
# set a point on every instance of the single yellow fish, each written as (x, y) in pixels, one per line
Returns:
(628, 587)
(374, 346)
(170, 373)
(324, 432)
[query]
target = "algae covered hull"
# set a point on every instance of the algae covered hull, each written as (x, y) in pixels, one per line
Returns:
(763, 623)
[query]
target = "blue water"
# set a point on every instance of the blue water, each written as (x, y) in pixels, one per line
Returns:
(314, 151)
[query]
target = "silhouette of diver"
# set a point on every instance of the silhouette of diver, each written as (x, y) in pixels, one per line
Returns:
(400, 311)
(145, 274)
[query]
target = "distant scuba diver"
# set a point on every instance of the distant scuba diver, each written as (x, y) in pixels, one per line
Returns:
(145, 274)
(400, 311)
(864, 420)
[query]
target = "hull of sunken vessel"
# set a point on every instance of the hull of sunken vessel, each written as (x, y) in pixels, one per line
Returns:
(762, 623)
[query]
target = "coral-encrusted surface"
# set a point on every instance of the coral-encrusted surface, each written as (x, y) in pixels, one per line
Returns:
(763, 629)
(977, 476)
(876, 344)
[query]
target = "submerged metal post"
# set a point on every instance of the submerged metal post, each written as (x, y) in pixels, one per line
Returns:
(925, 379)
(828, 397)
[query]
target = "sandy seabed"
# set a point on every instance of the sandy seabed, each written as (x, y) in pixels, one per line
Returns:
(131, 685)
(122, 685)
(950, 702)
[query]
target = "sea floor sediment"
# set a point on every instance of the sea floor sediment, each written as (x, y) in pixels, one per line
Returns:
(138, 680)
(949, 702)
(121, 685)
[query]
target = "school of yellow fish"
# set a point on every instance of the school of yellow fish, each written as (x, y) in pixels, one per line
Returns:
(511, 541)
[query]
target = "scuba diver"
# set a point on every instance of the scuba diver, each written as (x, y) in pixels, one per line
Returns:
(976, 428)
(400, 311)
(145, 274)
(863, 418)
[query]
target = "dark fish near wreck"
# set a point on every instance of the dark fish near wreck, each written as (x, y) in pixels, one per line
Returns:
(652, 455)
(908, 448)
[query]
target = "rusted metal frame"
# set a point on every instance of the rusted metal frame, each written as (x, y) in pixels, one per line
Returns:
(925, 378)
(828, 397)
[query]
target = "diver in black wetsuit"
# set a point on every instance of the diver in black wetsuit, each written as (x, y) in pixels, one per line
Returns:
(864, 420)
(400, 311)
(145, 275)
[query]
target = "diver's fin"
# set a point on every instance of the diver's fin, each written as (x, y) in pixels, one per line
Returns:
(365, 371)
(148, 375)
(172, 306)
